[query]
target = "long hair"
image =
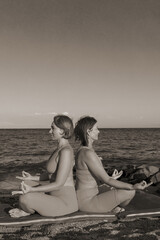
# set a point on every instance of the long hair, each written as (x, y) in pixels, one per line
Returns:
(80, 131)
(65, 123)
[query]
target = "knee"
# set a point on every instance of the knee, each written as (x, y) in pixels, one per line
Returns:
(127, 195)
(131, 194)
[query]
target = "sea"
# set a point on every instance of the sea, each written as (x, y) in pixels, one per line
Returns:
(117, 147)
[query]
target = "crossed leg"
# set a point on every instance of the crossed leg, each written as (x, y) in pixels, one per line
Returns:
(45, 205)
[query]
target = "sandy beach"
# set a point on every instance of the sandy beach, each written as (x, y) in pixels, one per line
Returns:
(133, 229)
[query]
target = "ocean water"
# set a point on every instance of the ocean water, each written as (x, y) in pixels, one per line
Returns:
(116, 146)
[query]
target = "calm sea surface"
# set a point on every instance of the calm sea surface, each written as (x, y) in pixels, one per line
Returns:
(115, 146)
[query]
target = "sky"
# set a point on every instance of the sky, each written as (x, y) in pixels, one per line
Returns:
(85, 57)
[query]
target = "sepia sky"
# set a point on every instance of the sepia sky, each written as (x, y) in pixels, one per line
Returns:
(84, 57)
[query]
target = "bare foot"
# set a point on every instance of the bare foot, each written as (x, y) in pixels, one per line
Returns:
(117, 210)
(17, 192)
(16, 213)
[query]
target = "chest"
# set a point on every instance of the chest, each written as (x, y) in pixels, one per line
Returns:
(52, 163)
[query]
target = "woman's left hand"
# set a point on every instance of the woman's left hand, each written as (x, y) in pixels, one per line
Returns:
(116, 174)
(26, 188)
(142, 185)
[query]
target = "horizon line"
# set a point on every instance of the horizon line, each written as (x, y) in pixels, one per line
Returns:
(31, 128)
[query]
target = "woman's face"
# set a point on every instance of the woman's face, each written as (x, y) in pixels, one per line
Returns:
(56, 132)
(93, 133)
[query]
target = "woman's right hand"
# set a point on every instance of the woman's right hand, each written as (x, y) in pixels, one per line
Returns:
(25, 176)
(116, 174)
(25, 188)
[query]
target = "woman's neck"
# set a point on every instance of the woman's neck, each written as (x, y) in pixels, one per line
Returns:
(62, 142)
(90, 143)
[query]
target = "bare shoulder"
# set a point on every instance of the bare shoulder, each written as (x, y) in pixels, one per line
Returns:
(87, 151)
(67, 148)
(66, 151)
(88, 154)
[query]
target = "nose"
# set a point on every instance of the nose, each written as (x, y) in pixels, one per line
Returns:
(50, 131)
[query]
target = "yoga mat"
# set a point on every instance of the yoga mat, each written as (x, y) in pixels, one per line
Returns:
(143, 205)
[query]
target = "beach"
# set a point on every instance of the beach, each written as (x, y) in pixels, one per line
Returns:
(97, 58)
(134, 228)
(28, 150)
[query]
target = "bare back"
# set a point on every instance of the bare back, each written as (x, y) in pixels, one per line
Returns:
(84, 177)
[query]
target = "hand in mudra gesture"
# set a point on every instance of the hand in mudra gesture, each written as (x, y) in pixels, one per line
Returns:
(25, 176)
(142, 185)
(116, 174)
(25, 188)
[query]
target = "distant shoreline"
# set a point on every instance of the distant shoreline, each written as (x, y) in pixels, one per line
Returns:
(123, 128)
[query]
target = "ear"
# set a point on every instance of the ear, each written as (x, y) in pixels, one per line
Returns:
(88, 132)
(62, 132)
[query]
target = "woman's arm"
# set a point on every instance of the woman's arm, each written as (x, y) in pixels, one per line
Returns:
(27, 176)
(64, 166)
(98, 170)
